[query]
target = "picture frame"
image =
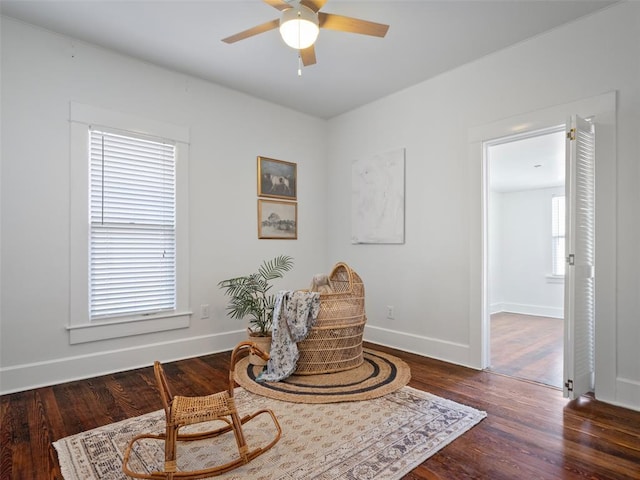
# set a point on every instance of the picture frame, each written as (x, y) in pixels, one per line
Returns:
(277, 179)
(277, 219)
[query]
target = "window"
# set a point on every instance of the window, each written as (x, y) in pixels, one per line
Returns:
(557, 235)
(129, 229)
(133, 225)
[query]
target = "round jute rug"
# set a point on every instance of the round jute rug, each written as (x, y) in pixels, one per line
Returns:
(379, 374)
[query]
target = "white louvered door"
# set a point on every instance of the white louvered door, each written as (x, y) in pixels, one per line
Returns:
(579, 273)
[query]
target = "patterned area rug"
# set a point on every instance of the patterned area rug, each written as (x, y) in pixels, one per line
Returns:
(383, 438)
(379, 374)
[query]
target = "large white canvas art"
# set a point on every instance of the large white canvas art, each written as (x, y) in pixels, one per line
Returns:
(377, 198)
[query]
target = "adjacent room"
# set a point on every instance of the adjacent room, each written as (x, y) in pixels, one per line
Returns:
(526, 225)
(438, 199)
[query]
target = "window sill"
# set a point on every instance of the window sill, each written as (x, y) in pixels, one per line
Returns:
(91, 332)
(555, 278)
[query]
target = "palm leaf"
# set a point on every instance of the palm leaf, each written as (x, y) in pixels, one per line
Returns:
(272, 269)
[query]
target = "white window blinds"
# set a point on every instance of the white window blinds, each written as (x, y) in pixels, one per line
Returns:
(558, 235)
(133, 225)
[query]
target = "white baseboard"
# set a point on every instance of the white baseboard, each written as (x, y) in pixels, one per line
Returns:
(41, 374)
(537, 310)
(496, 308)
(451, 352)
(627, 394)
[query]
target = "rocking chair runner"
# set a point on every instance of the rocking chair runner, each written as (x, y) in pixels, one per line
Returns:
(182, 411)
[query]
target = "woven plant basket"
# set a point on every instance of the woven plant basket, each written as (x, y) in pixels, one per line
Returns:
(334, 344)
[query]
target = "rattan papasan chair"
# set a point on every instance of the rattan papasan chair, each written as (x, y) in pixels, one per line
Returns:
(182, 411)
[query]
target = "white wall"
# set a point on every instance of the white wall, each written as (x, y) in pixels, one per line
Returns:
(41, 74)
(520, 254)
(432, 280)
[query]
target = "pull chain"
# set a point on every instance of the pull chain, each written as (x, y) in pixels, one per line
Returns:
(299, 42)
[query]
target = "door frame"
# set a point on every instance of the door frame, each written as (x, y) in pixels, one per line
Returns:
(603, 108)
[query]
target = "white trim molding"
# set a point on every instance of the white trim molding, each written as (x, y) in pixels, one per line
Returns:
(523, 309)
(627, 394)
(91, 332)
(41, 374)
(80, 328)
(446, 351)
(603, 107)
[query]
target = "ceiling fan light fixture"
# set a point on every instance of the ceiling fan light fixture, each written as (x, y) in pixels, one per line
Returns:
(299, 27)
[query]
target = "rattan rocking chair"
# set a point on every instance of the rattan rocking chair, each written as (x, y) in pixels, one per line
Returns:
(182, 411)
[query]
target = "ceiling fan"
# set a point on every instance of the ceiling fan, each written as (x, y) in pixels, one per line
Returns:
(300, 23)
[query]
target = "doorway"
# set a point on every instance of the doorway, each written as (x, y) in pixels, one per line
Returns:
(526, 258)
(598, 362)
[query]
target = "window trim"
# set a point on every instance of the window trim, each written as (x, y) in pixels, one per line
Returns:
(81, 329)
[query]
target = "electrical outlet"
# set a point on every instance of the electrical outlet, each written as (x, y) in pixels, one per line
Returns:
(390, 312)
(204, 311)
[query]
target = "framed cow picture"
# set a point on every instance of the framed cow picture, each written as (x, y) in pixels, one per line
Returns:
(277, 179)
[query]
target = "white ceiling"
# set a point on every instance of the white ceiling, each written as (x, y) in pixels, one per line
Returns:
(425, 38)
(527, 163)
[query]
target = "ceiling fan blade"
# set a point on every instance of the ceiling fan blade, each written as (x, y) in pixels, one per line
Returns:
(265, 27)
(314, 5)
(279, 4)
(352, 25)
(308, 56)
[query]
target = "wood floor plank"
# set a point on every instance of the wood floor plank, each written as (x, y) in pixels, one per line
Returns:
(24, 464)
(530, 432)
(8, 432)
(123, 400)
(54, 422)
(528, 347)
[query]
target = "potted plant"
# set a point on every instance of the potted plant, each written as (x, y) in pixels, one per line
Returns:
(251, 297)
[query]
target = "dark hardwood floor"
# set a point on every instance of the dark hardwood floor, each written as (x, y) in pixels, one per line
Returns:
(530, 432)
(528, 347)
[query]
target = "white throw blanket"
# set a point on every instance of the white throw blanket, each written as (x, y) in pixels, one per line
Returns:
(294, 313)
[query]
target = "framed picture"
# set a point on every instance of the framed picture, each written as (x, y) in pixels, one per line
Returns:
(277, 219)
(277, 179)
